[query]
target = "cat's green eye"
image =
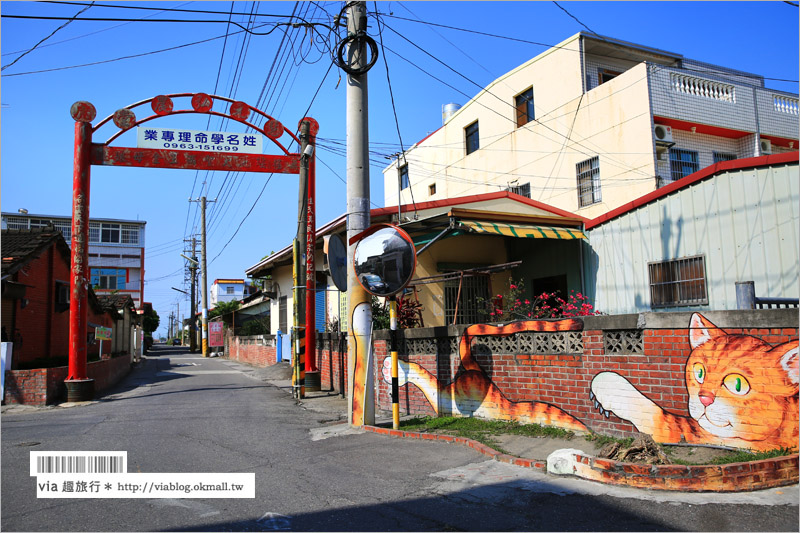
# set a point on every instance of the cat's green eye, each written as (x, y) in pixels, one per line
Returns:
(699, 372)
(736, 383)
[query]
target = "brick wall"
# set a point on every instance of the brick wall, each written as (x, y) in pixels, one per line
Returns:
(43, 386)
(331, 362)
(650, 351)
(256, 350)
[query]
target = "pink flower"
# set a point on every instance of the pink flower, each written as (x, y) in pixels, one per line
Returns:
(527, 302)
(513, 286)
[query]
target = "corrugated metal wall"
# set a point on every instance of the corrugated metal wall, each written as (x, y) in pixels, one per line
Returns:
(744, 222)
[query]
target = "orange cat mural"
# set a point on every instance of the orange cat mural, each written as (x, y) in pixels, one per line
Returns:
(743, 392)
(472, 393)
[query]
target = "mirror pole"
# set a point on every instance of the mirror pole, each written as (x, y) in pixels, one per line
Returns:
(393, 349)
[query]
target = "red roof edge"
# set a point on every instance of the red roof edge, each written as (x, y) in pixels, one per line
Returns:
(449, 202)
(700, 175)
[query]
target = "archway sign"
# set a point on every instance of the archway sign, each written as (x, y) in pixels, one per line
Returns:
(173, 148)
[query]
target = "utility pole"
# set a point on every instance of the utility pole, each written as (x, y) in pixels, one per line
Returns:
(361, 409)
(204, 272)
(192, 300)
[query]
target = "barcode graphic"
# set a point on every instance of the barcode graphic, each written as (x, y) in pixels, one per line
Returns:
(78, 463)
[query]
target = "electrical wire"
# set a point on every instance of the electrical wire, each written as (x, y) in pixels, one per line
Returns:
(43, 40)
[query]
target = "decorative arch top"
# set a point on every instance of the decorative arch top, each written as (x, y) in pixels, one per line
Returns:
(198, 103)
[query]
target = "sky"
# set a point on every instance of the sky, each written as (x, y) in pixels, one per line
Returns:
(433, 53)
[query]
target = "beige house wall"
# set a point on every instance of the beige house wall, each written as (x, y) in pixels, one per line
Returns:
(612, 121)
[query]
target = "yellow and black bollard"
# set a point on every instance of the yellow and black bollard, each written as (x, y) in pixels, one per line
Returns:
(393, 349)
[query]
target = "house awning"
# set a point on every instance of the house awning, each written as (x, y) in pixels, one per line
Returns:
(521, 230)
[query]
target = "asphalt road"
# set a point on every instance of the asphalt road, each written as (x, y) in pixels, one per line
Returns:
(178, 412)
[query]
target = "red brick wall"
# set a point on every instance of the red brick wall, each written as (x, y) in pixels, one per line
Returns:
(43, 332)
(258, 350)
(42, 386)
(564, 380)
(332, 364)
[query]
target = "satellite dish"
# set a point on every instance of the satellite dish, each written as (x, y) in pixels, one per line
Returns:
(336, 259)
(384, 260)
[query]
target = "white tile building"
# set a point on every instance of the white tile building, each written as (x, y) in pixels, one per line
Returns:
(116, 250)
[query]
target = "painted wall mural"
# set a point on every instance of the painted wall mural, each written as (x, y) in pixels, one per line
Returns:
(473, 393)
(742, 391)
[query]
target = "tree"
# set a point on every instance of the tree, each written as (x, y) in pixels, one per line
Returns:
(224, 308)
(150, 321)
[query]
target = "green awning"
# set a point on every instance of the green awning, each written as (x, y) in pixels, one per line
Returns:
(521, 230)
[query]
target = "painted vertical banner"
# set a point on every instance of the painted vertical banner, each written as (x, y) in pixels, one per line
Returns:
(215, 334)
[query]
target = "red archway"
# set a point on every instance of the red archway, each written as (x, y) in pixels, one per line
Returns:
(87, 153)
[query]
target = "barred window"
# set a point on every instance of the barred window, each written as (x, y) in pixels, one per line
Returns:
(722, 156)
(522, 190)
(65, 227)
(588, 181)
(473, 291)
(94, 232)
(678, 282)
(16, 223)
(130, 234)
(682, 163)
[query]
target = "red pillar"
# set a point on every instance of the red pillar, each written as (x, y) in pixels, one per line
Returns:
(311, 246)
(79, 387)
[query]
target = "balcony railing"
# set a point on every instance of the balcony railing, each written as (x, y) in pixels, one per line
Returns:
(785, 104)
(715, 90)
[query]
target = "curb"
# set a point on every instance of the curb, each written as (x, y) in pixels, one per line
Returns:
(475, 445)
(733, 477)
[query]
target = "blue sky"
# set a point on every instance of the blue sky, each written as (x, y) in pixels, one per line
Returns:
(282, 73)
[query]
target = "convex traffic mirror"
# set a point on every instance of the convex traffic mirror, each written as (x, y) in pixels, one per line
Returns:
(384, 260)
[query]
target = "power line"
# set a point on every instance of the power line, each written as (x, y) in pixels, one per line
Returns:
(53, 33)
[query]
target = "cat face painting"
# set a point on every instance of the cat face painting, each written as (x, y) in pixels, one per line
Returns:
(743, 392)
(739, 386)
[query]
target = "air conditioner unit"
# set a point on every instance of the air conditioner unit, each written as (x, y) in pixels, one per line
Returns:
(766, 147)
(662, 133)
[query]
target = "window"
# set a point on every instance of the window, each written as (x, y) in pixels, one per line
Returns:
(604, 75)
(471, 136)
(130, 234)
(109, 233)
(282, 314)
(474, 290)
(228, 290)
(62, 297)
(431, 189)
(682, 163)
(588, 181)
(678, 282)
(722, 156)
(65, 227)
(404, 183)
(109, 278)
(524, 104)
(94, 232)
(522, 190)
(16, 223)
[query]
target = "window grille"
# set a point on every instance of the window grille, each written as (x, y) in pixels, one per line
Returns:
(722, 156)
(94, 232)
(474, 291)
(471, 136)
(65, 227)
(228, 290)
(16, 223)
(522, 190)
(524, 105)
(130, 234)
(39, 223)
(588, 181)
(404, 183)
(678, 282)
(682, 163)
